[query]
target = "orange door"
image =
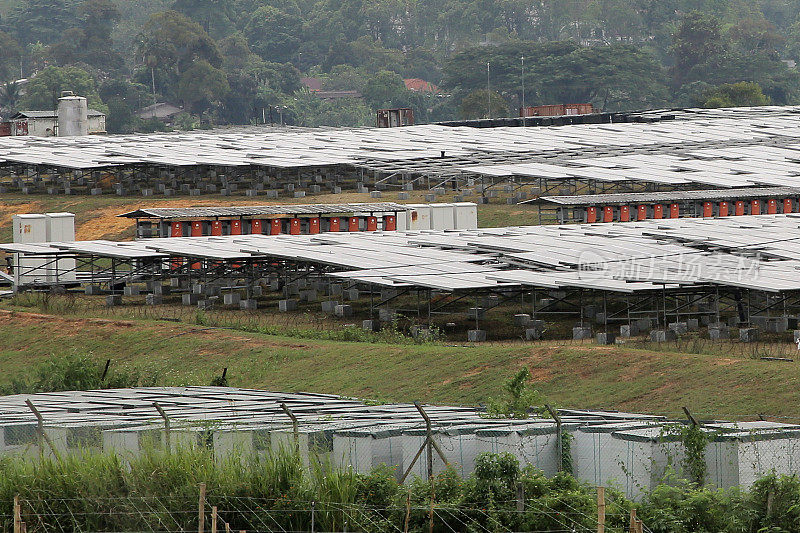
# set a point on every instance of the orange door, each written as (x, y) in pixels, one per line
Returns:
(772, 206)
(755, 207)
(390, 223)
(294, 226)
(739, 209)
(658, 211)
(197, 228)
(275, 226)
(625, 213)
(591, 215)
(641, 212)
(788, 205)
(674, 211)
(723, 209)
(176, 229)
(372, 223)
(334, 224)
(257, 227)
(236, 227)
(216, 228)
(313, 226)
(353, 224)
(708, 209)
(608, 214)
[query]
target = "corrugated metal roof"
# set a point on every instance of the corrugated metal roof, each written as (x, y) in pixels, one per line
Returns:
(670, 196)
(262, 210)
(52, 114)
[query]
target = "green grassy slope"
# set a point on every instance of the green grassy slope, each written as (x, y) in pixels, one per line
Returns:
(575, 375)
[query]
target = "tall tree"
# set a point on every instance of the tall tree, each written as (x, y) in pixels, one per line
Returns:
(44, 89)
(698, 37)
(41, 21)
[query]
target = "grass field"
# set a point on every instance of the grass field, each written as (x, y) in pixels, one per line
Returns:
(574, 375)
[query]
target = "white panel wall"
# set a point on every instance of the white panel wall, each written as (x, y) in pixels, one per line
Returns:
(30, 228)
(60, 228)
(419, 217)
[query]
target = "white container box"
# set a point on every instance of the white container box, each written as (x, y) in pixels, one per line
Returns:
(30, 228)
(442, 217)
(419, 218)
(61, 228)
(466, 215)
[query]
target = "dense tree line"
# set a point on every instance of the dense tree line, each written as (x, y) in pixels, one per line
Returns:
(241, 61)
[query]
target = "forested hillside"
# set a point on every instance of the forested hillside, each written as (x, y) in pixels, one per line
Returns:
(244, 61)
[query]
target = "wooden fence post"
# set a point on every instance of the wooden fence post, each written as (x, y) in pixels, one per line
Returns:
(17, 515)
(408, 511)
(214, 519)
(601, 509)
(201, 509)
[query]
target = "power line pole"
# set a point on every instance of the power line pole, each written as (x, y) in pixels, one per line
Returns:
(488, 94)
(523, 91)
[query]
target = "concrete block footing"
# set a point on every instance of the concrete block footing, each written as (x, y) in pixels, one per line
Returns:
(605, 338)
(580, 333)
(329, 306)
(231, 298)
(476, 335)
(720, 332)
(748, 334)
(248, 305)
(343, 310)
(285, 306)
(663, 335)
(371, 325)
(113, 299)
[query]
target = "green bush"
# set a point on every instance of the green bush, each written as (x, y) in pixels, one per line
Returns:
(75, 372)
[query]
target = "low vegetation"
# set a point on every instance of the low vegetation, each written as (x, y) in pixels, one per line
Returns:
(718, 386)
(159, 490)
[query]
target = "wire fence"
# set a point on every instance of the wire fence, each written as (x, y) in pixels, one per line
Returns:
(216, 513)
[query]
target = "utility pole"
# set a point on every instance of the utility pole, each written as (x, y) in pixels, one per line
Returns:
(488, 94)
(523, 90)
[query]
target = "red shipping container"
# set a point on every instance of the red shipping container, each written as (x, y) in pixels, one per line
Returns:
(591, 215)
(723, 209)
(674, 211)
(641, 212)
(294, 226)
(390, 223)
(608, 214)
(353, 224)
(313, 226)
(275, 226)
